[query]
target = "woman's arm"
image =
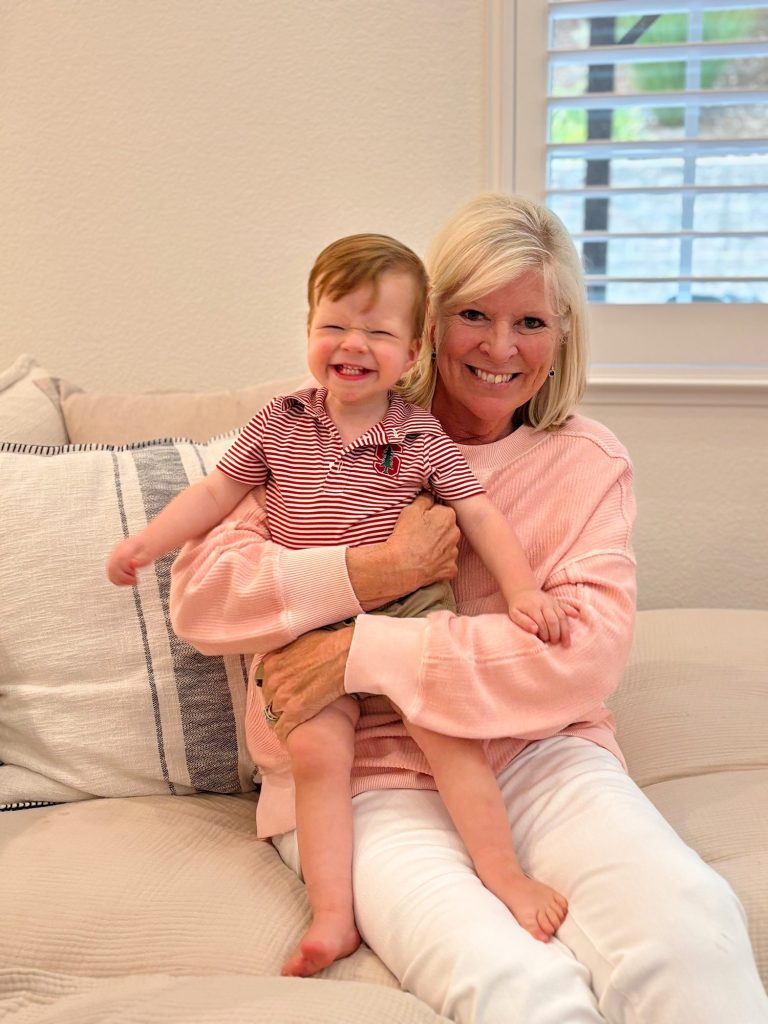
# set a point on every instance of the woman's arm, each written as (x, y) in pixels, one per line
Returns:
(234, 591)
(483, 676)
(473, 676)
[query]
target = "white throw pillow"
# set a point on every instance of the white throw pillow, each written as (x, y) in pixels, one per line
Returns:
(98, 697)
(29, 414)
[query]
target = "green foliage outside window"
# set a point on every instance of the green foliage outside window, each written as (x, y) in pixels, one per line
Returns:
(660, 76)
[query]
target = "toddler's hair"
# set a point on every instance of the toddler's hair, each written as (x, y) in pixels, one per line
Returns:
(356, 260)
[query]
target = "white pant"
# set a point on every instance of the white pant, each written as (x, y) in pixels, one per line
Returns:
(652, 935)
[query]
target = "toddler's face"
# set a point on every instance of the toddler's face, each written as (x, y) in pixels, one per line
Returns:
(360, 345)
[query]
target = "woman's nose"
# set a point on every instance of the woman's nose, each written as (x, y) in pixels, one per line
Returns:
(499, 342)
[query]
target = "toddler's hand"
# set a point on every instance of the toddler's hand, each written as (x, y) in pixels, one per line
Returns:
(127, 556)
(536, 611)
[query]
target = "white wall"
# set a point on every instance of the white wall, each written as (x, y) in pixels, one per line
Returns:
(700, 482)
(170, 168)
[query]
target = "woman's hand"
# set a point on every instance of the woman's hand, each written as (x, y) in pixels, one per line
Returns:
(307, 675)
(422, 549)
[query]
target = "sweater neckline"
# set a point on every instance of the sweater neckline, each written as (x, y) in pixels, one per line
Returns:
(484, 459)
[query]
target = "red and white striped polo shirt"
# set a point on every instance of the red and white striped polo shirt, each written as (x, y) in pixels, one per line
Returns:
(321, 492)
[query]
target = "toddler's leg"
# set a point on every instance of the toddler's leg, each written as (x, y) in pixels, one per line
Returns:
(321, 752)
(471, 794)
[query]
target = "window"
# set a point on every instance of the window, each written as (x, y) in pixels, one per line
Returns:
(644, 125)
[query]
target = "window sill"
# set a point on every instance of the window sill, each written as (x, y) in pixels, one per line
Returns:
(649, 385)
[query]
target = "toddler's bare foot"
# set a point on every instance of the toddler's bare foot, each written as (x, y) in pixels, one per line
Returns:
(537, 907)
(328, 938)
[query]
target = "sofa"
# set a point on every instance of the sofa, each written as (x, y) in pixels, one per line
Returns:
(132, 886)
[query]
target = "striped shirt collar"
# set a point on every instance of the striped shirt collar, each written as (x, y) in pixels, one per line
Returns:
(400, 419)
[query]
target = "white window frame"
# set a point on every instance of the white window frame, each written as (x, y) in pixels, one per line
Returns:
(720, 351)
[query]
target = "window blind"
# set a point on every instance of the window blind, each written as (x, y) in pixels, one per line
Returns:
(657, 146)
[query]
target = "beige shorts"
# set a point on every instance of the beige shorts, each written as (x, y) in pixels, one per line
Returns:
(436, 597)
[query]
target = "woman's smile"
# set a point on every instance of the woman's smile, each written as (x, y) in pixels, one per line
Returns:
(491, 377)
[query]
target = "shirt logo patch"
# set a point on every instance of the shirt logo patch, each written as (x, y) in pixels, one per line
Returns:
(387, 459)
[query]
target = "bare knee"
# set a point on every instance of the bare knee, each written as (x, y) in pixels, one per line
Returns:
(440, 749)
(325, 743)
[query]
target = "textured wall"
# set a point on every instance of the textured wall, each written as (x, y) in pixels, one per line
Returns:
(171, 169)
(702, 493)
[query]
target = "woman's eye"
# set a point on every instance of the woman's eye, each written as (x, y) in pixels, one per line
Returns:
(472, 316)
(531, 323)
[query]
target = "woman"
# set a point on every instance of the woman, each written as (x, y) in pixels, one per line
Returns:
(652, 934)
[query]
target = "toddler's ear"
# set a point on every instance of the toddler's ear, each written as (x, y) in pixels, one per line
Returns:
(413, 354)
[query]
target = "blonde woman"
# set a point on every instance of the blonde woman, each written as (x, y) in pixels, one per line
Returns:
(652, 934)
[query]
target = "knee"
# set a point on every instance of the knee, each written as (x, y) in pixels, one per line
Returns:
(701, 919)
(697, 955)
(313, 754)
(710, 935)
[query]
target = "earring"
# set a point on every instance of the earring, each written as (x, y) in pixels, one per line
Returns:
(433, 357)
(552, 372)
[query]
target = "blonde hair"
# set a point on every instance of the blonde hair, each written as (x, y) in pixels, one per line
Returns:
(356, 260)
(486, 244)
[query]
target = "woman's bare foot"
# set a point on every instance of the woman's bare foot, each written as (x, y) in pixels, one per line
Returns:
(328, 938)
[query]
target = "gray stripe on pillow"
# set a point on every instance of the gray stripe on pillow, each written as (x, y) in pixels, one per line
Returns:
(205, 701)
(144, 639)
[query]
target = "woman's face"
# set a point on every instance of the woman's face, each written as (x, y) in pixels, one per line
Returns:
(494, 356)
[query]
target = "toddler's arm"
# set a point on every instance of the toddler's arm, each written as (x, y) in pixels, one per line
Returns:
(493, 538)
(193, 512)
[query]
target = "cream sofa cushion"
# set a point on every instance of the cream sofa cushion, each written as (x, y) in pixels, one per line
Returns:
(694, 694)
(170, 911)
(104, 418)
(221, 999)
(197, 892)
(692, 717)
(30, 414)
(98, 695)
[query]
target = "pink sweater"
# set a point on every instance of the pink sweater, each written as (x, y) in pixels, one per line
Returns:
(569, 496)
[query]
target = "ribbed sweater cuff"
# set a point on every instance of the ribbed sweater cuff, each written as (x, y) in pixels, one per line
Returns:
(316, 587)
(385, 658)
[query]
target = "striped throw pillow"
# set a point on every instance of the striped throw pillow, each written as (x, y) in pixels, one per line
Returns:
(98, 697)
